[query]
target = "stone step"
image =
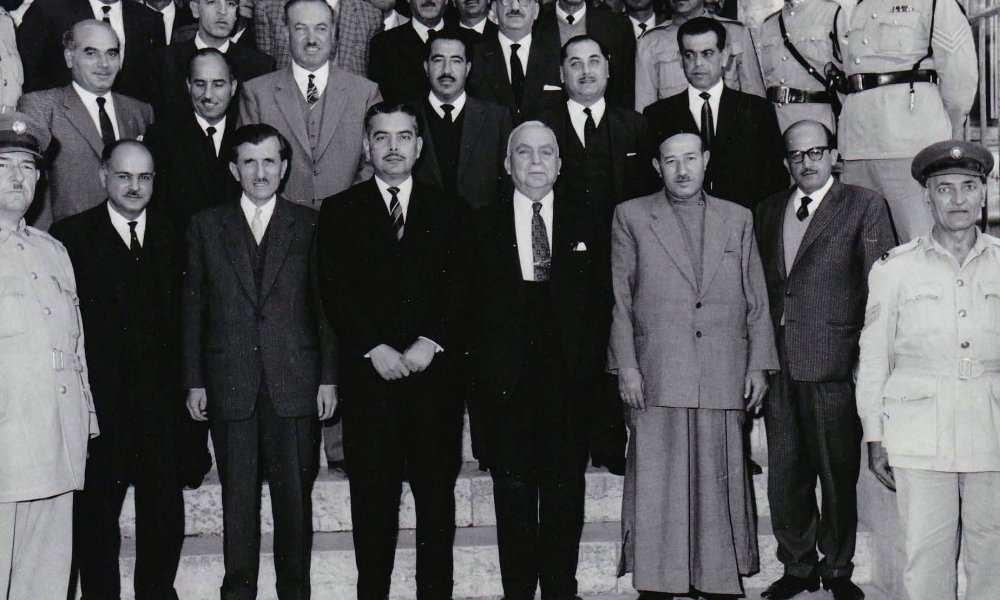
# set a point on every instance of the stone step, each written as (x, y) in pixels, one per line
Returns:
(477, 572)
(871, 593)
(332, 502)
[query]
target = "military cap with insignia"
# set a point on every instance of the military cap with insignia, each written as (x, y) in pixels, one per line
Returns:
(951, 157)
(22, 133)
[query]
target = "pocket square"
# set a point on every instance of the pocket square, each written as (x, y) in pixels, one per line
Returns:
(551, 88)
(630, 154)
(579, 247)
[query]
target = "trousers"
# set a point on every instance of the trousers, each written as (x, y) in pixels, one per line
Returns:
(911, 217)
(36, 547)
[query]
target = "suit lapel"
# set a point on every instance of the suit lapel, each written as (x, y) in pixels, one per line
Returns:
(534, 76)
(234, 241)
(428, 154)
(287, 97)
(334, 102)
(714, 241)
(471, 125)
(562, 228)
(826, 214)
(110, 247)
(279, 239)
(79, 118)
(127, 125)
(493, 61)
(509, 251)
(158, 246)
(378, 214)
(728, 119)
(616, 124)
(668, 231)
(778, 239)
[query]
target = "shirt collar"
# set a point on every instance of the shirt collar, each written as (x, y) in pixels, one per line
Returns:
(478, 27)
(404, 189)
(505, 42)
(577, 16)
(97, 5)
(982, 244)
(169, 9)
(219, 127)
(120, 223)
(90, 97)
(596, 110)
(200, 44)
(391, 20)
(334, 4)
(816, 196)
(301, 75)
(525, 201)
(715, 92)
(5, 234)
(459, 104)
(249, 208)
(422, 30)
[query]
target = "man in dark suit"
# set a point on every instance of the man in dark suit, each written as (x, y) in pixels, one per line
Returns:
(818, 241)
(174, 14)
(473, 19)
(515, 68)
(738, 129)
(567, 19)
(128, 267)
(396, 55)
(39, 40)
(258, 359)
(395, 259)
(189, 145)
(464, 139)
(168, 66)
(641, 15)
(541, 308)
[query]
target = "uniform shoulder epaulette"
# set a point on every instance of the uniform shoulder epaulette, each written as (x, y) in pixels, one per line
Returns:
(901, 249)
(732, 22)
(44, 235)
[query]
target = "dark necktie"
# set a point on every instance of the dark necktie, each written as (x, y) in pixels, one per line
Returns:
(396, 211)
(516, 75)
(107, 14)
(210, 138)
(707, 124)
(540, 256)
(589, 128)
(642, 29)
(803, 211)
(107, 129)
(312, 92)
(134, 244)
(447, 108)
(570, 19)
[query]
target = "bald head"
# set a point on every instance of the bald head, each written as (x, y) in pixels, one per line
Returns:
(93, 55)
(533, 159)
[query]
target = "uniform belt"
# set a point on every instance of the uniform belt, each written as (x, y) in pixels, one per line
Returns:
(860, 82)
(787, 95)
(65, 361)
(964, 368)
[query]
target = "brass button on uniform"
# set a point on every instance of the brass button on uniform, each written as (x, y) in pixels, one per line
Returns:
(960, 283)
(962, 313)
(964, 344)
(697, 334)
(62, 389)
(47, 310)
(34, 275)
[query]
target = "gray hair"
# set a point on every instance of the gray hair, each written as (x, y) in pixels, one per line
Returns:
(527, 125)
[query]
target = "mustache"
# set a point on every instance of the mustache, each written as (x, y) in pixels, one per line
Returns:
(446, 78)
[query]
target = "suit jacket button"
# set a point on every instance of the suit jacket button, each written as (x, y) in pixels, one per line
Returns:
(316, 173)
(788, 292)
(697, 305)
(697, 334)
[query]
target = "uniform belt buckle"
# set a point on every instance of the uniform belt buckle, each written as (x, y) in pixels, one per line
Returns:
(58, 360)
(969, 368)
(784, 93)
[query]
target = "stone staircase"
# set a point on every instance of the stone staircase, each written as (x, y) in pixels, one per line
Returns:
(477, 571)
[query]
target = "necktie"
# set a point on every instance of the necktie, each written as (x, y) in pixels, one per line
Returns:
(642, 29)
(312, 92)
(516, 74)
(447, 108)
(396, 211)
(707, 124)
(803, 212)
(107, 14)
(107, 129)
(589, 128)
(210, 138)
(570, 19)
(134, 244)
(257, 225)
(541, 257)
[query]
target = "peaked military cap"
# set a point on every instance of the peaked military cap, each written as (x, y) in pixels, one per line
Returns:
(951, 157)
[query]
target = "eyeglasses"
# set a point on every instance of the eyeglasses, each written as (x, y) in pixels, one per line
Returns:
(798, 156)
(523, 3)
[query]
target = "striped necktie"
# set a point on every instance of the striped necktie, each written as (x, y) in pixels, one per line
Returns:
(396, 211)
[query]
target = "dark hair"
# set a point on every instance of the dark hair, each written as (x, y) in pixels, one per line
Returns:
(576, 39)
(388, 108)
(203, 52)
(660, 135)
(449, 33)
(831, 137)
(291, 3)
(700, 25)
(256, 134)
(109, 149)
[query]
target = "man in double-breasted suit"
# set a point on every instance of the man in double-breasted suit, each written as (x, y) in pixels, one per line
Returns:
(465, 139)
(128, 263)
(257, 360)
(83, 117)
(318, 107)
(540, 303)
(691, 342)
(818, 241)
(395, 259)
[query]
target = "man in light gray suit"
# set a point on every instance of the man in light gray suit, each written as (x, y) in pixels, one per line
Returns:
(317, 106)
(691, 342)
(83, 117)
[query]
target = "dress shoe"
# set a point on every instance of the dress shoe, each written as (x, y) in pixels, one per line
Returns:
(338, 466)
(654, 596)
(843, 588)
(790, 586)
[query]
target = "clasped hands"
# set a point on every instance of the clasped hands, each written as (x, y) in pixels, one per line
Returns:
(393, 365)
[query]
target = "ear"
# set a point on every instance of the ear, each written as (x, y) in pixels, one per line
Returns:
(705, 156)
(234, 171)
(195, 8)
(506, 165)
(284, 168)
(68, 57)
(420, 146)
(656, 165)
(468, 68)
(102, 173)
(366, 147)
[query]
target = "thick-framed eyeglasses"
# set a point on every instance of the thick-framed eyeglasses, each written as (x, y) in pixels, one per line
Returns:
(523, 3)
(798, 156)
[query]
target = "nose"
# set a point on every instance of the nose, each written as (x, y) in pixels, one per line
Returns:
(102, 59)
(259, 171)
(682, 168)
(18, 175)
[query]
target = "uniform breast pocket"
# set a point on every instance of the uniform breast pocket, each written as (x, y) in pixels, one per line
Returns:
(920, 307)
(910, 415)
(990, 291)
(13, 309)
(669, 73)
(901, 33)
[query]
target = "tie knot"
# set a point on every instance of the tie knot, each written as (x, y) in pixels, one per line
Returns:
(705, 96)
(100, 101)
(210, 131)
(515, 47)
(312, 76)
(536, 208)
(447, 108)
(586, 111)
(132, 225)
(106, 9)
(806, 200)
(394, 191)
(570, 19)
(642, 26)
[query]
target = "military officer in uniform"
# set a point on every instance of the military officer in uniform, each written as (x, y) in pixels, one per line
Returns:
(46, 410)
(658, 70)
(929, 380)
(795, 45)
(911, 77)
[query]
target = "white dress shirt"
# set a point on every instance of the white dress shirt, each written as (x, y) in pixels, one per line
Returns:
(522, 52)
(424, 31)
(301, 76)
(816, 196)
(650, 23)
(266, 210)
(391, 21)
(403, 195)
(120, 223)
(695, 102)
(458, 103)
(579, 119)
(220, 127)
(478, 27)
(168, 13)
(90, 102)
(523, 214)
(200, 44)
(578, 16)
(333, 4)
(117, 20)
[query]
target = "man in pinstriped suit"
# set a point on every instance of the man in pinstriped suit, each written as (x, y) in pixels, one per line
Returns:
(357, 23)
